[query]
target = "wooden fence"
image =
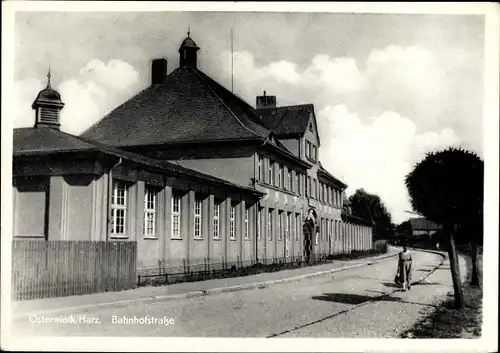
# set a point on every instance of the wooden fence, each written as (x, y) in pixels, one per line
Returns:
(43, 269)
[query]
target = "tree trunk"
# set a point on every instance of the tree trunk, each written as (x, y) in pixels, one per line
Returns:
(455, 269)
(475, 276)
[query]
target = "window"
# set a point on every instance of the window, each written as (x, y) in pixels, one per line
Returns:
(247, 211)
(261, 168)
(308, 149)
(280, 176)
(176, 215)
(297, 177)
(270, 224)
(280, 228)
(232, 222)
(288, 225)
(118, 208)
(197, 217)
(314, 153)
(311, 127)
(259, 220)
(297, 226)
(216, 219)
(309, 186)
(149, 225)
(289, 182)
(30, 216)
(315, 189)
(270, 174)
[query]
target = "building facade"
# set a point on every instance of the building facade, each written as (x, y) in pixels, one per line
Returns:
(193, 173)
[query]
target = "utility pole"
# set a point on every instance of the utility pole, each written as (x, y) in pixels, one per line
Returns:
(232, 62)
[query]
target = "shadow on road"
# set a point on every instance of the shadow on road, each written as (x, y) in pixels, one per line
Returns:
(355, 299)
(343, 298)
(391, 285)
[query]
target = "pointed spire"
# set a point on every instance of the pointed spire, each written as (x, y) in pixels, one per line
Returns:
(48, 79)
(189, 31)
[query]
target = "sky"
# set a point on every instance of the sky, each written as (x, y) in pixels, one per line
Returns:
(386, 88)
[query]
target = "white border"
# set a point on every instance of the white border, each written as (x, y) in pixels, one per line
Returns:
(489, 340)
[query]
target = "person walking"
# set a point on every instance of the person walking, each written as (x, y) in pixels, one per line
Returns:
(405, 264)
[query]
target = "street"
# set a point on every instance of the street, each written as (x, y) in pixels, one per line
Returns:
(327, 306)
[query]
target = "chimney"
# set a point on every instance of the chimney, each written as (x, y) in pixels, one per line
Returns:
(158, 71)
(265, 101)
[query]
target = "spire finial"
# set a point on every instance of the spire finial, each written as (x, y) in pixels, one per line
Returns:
(189, 31)
(48, 78)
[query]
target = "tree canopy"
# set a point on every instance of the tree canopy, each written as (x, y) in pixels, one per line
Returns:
(447, 186)
(370, 207)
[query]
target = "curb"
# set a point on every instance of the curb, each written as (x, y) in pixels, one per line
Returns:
(199, 293)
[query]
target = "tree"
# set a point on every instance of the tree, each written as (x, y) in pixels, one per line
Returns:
(404, 230)
(447, 188)
(370, 207)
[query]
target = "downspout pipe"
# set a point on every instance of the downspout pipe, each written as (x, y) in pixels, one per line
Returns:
(110, 181)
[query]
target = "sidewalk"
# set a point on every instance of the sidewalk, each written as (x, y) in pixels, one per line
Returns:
(187, 289)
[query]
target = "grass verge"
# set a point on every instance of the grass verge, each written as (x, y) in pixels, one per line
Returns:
(447, 322)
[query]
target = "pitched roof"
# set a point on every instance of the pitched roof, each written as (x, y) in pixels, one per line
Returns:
(289, 120)
(187, 107)
(43, 140)
(322, 170)
(47, 141)
(423, 224)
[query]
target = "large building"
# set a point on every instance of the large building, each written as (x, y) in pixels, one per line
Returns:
(187, 169)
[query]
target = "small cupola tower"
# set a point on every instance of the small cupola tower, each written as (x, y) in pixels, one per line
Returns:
(47, 107)
(188, 52)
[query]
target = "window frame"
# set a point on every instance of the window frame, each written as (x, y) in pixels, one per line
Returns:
(259, 223)
(115, 208)
(297, 226)
(279, 226)
(232, 221)
(246, 226)
(176, 215)
(198, 217)
(260, 163)
(148, 190)
(270, 173)
(280, 176)
(216, 219)
(270, 217)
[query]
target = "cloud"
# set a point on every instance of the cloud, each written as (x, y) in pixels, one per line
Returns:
(25, 93)
(376, 153)
(98, 88)
(376, 119)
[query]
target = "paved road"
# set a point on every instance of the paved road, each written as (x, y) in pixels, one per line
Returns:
(318, 307)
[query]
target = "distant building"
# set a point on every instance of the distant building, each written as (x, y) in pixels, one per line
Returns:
(422, 226)
(188, 170)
